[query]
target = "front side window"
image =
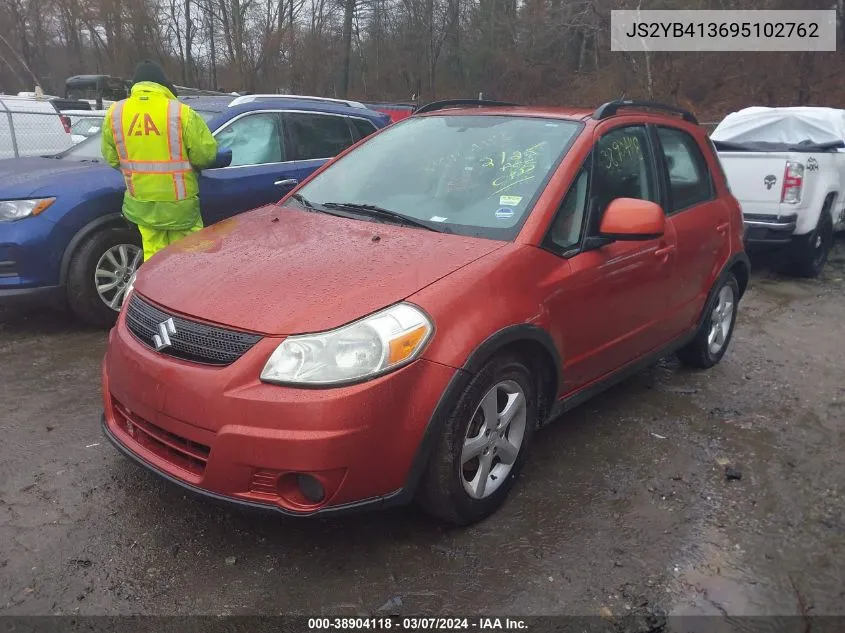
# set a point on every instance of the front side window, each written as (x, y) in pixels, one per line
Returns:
(468, 174)
(623, 167)
(255, 139)
(315, 136)
(689, 178)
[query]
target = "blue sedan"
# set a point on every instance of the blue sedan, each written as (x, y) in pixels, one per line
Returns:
(62, 237)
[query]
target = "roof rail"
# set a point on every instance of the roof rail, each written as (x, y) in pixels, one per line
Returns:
(251, 98)
(450, 103)
(612, 107)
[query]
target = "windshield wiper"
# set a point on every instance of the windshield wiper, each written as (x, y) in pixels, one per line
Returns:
(380, 212)
(311, 206)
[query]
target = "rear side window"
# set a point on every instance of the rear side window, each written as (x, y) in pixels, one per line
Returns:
(317, 135)
(361, 128)
(689, 179)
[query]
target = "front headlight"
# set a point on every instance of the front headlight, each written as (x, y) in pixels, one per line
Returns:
(367, 348)
(17, 209)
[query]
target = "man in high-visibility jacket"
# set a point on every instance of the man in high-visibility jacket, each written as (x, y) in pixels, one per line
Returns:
(157, 143)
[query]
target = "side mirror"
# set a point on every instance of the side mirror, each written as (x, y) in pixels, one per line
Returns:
(630, 219)
(223, 158)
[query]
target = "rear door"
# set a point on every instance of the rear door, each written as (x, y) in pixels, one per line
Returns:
(261, 171)
(316, 137)
(701, 222)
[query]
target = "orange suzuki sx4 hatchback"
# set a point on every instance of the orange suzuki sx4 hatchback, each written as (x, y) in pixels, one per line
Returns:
(399, 325)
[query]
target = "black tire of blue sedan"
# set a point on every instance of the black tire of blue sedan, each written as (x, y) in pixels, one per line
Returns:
(99, 273)
(483, 445)
(712, 340)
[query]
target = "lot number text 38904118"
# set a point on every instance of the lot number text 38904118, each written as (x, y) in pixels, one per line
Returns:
(417, 624)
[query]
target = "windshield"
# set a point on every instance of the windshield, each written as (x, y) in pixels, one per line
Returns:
(472, 175)
(86, 126)
(89, 149)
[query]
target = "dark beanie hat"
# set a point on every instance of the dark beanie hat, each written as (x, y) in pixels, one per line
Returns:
(148, 70)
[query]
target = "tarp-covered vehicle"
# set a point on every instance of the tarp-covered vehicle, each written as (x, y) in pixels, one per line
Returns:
(786, 166)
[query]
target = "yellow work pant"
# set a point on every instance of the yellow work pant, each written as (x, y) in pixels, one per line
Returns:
(155, 240)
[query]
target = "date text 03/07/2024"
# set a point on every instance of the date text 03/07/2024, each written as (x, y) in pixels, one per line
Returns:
(417, 624)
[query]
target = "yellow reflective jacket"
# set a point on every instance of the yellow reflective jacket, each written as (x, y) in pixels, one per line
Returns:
(157, 142)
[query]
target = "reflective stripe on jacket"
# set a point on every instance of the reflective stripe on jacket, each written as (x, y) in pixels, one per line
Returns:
(157, 143)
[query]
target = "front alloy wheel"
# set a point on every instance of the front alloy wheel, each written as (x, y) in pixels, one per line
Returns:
(100, 271)
(493, 439)
(113, 272)
(483, 443)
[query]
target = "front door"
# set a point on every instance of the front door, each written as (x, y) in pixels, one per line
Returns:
(261, 171)
(608, 309)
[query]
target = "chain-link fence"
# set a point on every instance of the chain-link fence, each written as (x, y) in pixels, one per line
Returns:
(29, 127)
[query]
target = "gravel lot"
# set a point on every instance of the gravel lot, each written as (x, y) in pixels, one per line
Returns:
(624, 506)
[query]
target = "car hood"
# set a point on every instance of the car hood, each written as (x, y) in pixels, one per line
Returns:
(22, 177)
(287, 271)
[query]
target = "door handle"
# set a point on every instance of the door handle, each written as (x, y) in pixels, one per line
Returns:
(723, 227)
(665, 251)
(290, 182)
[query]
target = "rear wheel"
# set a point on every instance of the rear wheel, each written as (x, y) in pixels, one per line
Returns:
(810, 252)
(711, 341)
(483, 445)
(99, 273)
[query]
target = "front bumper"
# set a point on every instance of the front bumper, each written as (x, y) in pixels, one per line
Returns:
(30, 255)
(221, 433)
(769, 229)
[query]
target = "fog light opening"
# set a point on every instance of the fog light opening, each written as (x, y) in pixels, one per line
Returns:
(311, 488)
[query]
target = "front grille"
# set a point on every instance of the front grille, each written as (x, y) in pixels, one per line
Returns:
(184, 453)
(191, 341)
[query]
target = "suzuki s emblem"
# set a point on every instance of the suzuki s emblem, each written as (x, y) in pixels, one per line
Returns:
(770, 181)
(166, 329)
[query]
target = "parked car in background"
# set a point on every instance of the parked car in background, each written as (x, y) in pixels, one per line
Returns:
(62, 236)
(396, 111)
(400, 325)
(84, 123)
(786, 167)
(31, 127)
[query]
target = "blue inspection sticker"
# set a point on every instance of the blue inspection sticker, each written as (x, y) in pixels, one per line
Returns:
(504, 213)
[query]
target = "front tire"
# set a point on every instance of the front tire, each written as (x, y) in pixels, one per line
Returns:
(99, 273)
(712, 340)
(483, 445)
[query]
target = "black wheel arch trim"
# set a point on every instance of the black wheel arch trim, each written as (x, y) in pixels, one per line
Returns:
(85, 232)
(506, 336)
